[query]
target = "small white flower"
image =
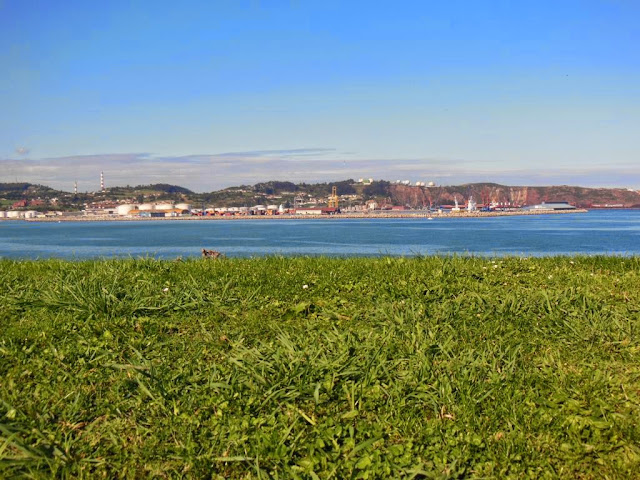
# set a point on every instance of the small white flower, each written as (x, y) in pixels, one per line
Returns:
(165, 289)
(305, 286)
(571, 262)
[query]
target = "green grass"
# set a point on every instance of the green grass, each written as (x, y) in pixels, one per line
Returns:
(379, 368)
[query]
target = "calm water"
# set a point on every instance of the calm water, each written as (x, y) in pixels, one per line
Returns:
(597, 232)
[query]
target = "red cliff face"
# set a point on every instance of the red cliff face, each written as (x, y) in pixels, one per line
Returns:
(487, 193)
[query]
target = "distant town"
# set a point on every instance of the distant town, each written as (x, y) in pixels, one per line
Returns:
(274, 198)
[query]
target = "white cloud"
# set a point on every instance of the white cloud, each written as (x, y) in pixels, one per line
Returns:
(208, 172)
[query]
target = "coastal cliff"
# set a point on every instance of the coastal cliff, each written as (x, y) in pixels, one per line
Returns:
(521, 195)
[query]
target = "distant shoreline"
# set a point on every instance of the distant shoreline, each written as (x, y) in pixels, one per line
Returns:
(343, 216)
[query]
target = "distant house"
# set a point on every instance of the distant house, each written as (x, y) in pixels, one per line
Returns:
(19, 204)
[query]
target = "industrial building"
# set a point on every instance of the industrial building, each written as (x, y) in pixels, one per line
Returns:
(149, 210)
(16, 214)
(551, 206)
(316, 211)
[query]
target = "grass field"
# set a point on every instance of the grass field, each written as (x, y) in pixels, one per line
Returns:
(321, 368)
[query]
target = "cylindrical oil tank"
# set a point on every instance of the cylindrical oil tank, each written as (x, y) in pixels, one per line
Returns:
(14, 214)
(125, 209)
(164, 206)
(183, 206)
(3, 214)
(30, 214)
(145, 206)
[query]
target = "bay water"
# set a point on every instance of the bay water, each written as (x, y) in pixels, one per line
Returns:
(610, 232)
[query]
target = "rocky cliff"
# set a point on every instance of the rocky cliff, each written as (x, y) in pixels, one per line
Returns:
(484, 193)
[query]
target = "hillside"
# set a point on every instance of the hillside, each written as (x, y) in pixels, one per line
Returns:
(162, 187)
(41, 197)
(384, 192)
(20, 190)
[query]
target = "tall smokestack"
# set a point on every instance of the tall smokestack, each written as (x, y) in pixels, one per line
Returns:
(75, 187)
(102, 181)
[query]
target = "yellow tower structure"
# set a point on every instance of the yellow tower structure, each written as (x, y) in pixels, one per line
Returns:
(333, 199)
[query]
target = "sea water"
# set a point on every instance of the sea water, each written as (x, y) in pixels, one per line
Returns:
(612, 232)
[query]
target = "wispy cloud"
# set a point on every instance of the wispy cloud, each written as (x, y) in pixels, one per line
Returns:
(206, 172)
(279, 153)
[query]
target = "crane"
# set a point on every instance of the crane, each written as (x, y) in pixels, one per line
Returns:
(333, 199)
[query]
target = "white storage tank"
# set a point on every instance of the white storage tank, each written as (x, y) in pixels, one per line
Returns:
(164, 206)
(14, 214)
(145, 206)
(125, 209)
(30, 214)
(3, 214)
(183, 206)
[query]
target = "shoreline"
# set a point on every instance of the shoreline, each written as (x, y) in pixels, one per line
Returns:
(341, 216)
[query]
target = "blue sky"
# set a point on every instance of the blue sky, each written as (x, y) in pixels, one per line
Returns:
(219, 93)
